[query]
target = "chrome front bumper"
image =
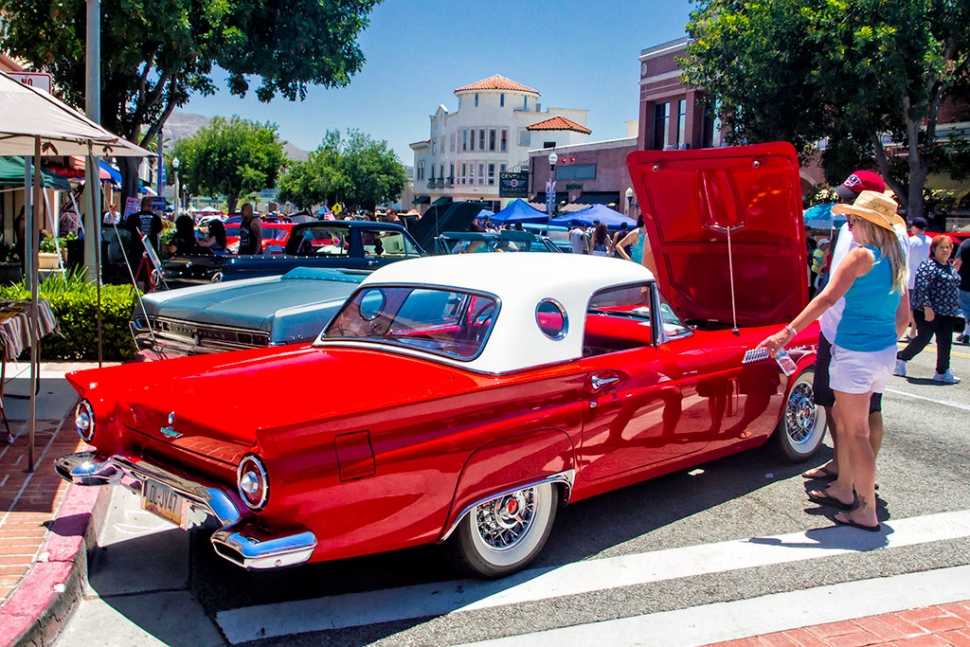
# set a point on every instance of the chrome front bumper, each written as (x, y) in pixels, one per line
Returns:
(239, 540)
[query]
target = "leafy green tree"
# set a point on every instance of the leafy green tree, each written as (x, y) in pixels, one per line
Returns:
(232, 158)
(850, 71)
(373, 171)
(356, 170)
(319, 179)
(156, 53)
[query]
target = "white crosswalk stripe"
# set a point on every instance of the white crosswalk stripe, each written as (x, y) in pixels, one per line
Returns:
(712, 623)
(436, 599)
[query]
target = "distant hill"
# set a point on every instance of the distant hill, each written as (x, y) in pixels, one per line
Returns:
(186, 124)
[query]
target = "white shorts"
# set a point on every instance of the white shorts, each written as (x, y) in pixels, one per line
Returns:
(853, 371)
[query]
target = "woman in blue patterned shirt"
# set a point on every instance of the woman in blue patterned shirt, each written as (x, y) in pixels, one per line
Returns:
(935, 306)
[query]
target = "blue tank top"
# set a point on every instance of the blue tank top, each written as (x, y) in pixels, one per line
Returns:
(636, 251)
(869, 320)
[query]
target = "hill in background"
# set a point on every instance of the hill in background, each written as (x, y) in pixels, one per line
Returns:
(186, 124)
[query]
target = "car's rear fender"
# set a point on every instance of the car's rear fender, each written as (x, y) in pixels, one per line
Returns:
(517, 461)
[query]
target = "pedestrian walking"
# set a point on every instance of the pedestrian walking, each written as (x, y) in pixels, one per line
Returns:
(638, 243)
(919, 251)
(145, 222)
(602, 243)
(620, 235)
(820, 258)
(250, 232)
(935, 305)
(578, 239)
(961, 263)
(872, 279)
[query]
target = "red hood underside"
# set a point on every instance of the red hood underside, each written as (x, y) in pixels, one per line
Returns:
(697, 204)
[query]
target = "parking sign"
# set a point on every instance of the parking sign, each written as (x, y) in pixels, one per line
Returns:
(39, 80)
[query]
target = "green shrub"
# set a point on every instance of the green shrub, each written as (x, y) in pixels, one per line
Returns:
(74, 303)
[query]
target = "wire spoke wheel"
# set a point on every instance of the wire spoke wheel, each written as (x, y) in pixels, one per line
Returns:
(504, 534)
(802, 427)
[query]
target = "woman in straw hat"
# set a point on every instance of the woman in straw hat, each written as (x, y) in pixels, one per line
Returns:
(872, 278)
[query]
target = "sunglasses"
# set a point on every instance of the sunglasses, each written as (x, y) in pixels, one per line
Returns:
(851, 222)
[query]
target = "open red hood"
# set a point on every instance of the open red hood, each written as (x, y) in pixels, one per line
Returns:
(690, 198)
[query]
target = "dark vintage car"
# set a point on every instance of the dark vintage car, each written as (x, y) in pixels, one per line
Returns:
(462, 399)
(348, 244)
(252, 313)
(507, 240)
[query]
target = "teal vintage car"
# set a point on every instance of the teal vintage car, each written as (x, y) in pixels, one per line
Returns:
(507, 240)
(251, 313)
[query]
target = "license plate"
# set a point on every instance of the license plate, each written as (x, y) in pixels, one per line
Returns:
(161, 500)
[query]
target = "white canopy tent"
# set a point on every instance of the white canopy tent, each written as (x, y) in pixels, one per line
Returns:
(33, 124)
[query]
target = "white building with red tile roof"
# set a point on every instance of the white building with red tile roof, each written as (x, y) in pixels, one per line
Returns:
(497, 123)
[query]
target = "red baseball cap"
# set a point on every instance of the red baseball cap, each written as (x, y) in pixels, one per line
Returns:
(858, 182)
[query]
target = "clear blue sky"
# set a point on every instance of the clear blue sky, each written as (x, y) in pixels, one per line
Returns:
(577, 54)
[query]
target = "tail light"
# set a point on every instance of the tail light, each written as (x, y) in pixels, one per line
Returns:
(84, 420)
(253, 482)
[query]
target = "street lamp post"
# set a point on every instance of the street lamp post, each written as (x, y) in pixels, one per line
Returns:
(629, 201)
(551, 185)
(177, 202)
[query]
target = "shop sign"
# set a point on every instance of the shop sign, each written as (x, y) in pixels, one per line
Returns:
(514, 185)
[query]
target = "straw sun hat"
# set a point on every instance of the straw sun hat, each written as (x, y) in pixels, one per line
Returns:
(877, 209)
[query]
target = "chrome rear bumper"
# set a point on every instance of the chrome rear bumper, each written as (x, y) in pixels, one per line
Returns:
(239, 539)
(249, 546)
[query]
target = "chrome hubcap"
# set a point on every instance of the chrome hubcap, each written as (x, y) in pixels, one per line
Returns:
(800, 414)
(504, 521)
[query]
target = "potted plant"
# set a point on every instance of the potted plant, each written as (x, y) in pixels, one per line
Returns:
(48, 258)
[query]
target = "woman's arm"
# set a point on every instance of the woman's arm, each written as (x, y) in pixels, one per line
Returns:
(629, 239)
(924, 280)
(856, 263)
(903, 314)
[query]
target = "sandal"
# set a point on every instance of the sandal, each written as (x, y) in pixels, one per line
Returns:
(823, 473)
(843, 519)
(823, 498)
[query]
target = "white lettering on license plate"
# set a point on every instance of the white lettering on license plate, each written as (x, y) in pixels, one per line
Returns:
(162, 500)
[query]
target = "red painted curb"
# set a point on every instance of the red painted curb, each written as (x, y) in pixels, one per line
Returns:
(43, 602)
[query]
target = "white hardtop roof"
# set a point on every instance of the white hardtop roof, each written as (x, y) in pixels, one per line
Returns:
(521, 281)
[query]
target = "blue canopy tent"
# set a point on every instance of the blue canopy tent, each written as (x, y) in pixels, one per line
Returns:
(519, 211)
(613, 219)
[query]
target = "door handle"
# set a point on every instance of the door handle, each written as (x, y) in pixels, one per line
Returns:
(599, 382)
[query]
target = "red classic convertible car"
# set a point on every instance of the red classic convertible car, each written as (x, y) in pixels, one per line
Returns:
(463, 399)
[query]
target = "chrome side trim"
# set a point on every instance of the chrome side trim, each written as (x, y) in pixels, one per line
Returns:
(247, 546)
(83, 469)
(567, 478)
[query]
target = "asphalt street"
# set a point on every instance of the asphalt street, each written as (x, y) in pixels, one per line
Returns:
(732, 532)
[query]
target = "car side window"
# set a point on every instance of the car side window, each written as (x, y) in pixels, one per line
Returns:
(619, 319)
(320, 241)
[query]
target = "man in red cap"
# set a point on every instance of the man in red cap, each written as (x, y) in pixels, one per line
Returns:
(847, 191)
(858, 182)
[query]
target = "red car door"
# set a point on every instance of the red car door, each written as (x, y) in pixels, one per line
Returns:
(645, 403)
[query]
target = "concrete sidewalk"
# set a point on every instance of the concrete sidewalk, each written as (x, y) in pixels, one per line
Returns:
(45, 525)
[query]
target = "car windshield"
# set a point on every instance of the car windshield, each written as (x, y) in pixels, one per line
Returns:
(506, 241)
(273, 233)
(444, 322)
(335, 239)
